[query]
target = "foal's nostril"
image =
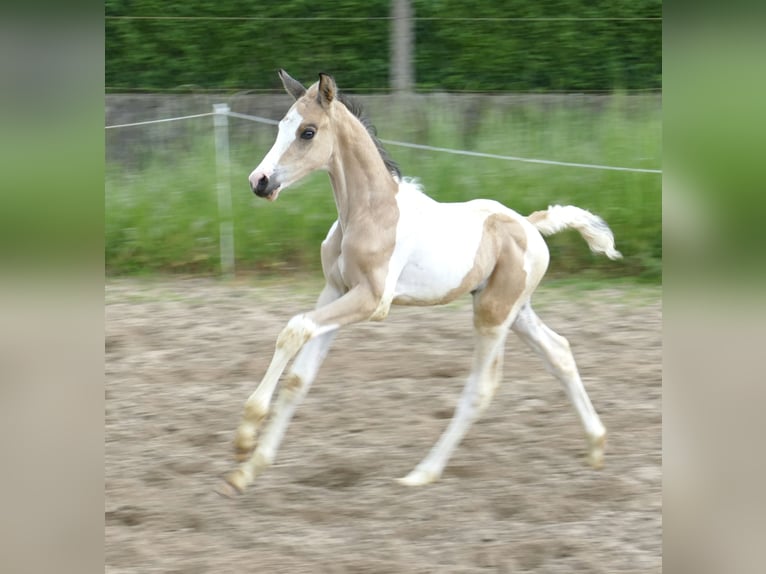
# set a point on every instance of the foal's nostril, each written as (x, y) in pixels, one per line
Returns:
(262, 183)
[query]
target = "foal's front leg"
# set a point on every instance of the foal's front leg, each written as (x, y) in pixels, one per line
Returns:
(289, 341)
(355, 306)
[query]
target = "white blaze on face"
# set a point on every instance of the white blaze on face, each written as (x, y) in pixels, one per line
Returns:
(286, 136)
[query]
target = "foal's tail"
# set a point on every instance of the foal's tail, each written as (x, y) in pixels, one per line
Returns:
(593, 229)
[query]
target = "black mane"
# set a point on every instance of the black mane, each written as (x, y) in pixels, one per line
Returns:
(355, 107)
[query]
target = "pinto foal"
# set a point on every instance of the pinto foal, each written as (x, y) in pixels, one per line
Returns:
(392, 244)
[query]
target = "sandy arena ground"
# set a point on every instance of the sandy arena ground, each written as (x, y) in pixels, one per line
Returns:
(182, 355)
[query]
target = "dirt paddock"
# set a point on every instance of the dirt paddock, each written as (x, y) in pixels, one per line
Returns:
(182, 355)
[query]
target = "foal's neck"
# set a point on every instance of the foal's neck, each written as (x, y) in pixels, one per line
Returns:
(364, 188)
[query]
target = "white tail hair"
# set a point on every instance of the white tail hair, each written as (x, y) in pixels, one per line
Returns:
(593, 229)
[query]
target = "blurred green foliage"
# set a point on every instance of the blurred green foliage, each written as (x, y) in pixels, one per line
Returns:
(519, 45)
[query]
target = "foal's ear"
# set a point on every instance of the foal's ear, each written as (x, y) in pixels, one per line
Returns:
(292, 86)
(327, 89)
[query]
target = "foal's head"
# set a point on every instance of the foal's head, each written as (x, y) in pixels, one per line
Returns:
(305, 139)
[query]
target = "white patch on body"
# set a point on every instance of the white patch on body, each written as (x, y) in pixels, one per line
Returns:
(333, 227)
(436, 245)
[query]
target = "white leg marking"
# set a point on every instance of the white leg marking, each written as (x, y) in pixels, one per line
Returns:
(488, 344)
(314, 343)
(298, 330)
(554, 350)
(294, 389)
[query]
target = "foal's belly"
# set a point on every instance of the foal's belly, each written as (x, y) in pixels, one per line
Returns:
(430, 286)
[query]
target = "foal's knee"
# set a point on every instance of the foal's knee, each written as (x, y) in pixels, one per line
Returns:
(562, 356)
(298, 330)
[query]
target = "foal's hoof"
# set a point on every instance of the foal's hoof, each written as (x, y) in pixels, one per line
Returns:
(227, 490)
(233, 484)
(417, 478)
(596, 451)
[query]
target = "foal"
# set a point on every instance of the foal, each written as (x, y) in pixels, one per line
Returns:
(392, 244)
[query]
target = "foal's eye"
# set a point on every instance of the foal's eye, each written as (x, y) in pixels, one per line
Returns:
(308, 133)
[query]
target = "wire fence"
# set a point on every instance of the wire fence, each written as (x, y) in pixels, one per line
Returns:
(221, 113)
(414, 18)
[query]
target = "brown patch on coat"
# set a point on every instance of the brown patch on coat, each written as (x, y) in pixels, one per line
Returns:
(537, 216)
(503, 240)
(507, 282)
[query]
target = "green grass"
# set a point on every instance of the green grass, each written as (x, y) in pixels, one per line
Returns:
(162, 216)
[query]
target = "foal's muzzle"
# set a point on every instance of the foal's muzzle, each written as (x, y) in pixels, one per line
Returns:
(261, 186)
(265, 186)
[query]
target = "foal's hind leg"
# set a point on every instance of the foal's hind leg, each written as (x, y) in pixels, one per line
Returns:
(557, 356)
(494, 309)
(476, 396)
